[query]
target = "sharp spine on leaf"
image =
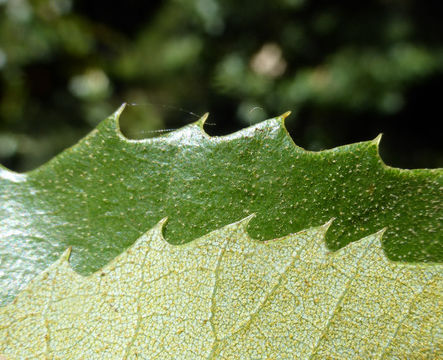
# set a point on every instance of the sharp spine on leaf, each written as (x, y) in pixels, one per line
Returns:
(120, 110)
(161, 224)
(285, 115)
(201, 122)
(245, 221)
(327, 224)
(377, 139)
(66, 255)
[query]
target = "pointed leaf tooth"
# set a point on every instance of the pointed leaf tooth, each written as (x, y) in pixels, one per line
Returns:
(119, 111)
(325, 227)
(377, 139)
(66, 255)
(370, 244)
(201, 122)
(101, 168)
(285, 115)
(154, 237)
(110, 126)
(314, 240)
(185, 297)
(151, 239)
(242, 224)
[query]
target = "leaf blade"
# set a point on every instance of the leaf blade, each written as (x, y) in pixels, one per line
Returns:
(100, 195)
(227, 295)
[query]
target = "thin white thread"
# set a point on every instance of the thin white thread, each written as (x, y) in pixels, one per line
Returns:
(166, 106)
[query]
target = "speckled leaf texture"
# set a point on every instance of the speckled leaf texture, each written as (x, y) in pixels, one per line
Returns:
(105, 192)
(227, 296)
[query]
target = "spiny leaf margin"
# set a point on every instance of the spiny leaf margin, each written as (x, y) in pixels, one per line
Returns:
(297, 299)
(100, 195)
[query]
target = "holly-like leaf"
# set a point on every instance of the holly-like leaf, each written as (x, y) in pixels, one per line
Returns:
(226, 296)
(102, 194)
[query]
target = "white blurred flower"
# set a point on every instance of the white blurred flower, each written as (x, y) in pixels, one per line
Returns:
(269, 61)
(93, 84)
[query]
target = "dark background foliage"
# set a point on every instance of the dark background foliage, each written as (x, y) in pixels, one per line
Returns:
(348, 70)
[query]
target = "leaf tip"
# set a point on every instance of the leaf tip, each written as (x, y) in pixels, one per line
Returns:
(329, 223)
(120, 110)
(159, 227)
(379, 234)
(382, 231)
(377, 140)
(162, 222)
(112, 122)
(285, 115)
(248, 218)
(201, 122)
(324, 228)
(66, 255)
(243, 223)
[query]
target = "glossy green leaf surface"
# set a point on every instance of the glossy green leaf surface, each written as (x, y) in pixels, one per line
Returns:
(102, 194)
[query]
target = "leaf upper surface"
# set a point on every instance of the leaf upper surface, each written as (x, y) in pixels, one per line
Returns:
(226, 296)
(102, 194)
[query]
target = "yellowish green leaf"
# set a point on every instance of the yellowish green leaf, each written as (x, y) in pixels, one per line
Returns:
(227, 296)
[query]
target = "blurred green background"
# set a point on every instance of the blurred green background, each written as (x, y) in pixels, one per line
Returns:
(348, 70)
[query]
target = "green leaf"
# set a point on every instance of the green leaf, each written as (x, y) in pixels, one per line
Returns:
(102, 194)
(226, 296)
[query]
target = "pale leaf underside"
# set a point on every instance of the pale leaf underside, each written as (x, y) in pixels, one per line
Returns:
(226, 296)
